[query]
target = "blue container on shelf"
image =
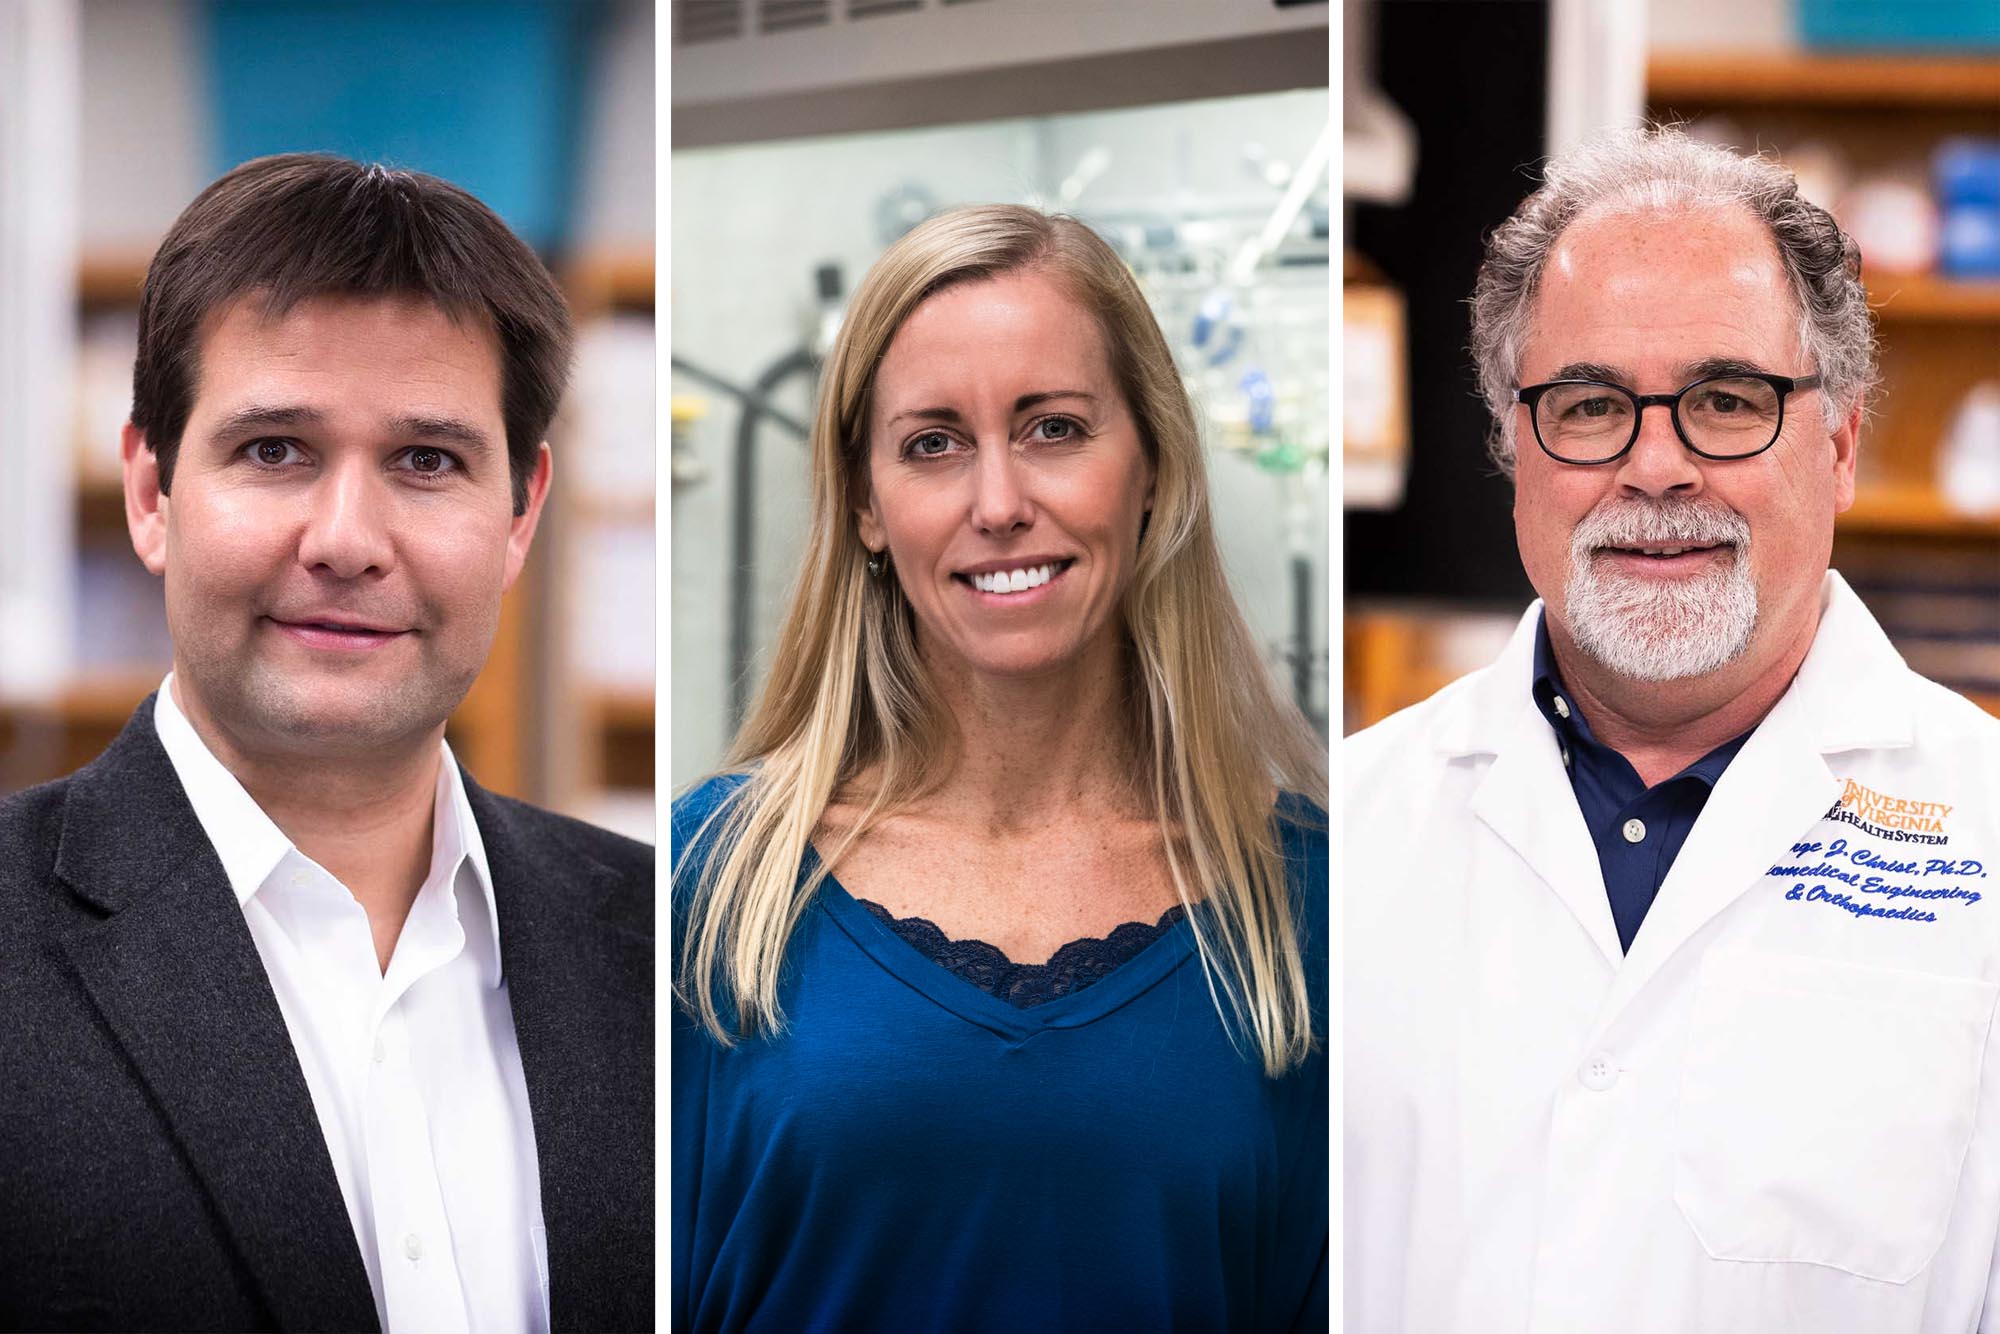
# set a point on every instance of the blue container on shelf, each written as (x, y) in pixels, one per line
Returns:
(485, 93)
(1904, 24)
(1966, 176)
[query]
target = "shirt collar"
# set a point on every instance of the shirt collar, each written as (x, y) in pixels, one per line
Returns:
(250, 845)
(1573, 729)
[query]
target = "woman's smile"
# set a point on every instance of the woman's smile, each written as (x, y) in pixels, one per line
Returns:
(1011, 585)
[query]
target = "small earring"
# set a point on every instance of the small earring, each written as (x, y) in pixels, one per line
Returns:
(876, 563)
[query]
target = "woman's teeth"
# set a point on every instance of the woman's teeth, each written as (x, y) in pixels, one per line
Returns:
(1014, 581)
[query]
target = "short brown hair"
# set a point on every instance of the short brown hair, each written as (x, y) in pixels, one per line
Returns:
(301, 225)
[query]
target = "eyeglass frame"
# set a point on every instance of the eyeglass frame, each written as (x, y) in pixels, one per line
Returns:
(1784, 385)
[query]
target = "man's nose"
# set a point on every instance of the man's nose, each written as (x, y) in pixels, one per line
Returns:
(347, 522)
(1000, 500)
(1658, 463)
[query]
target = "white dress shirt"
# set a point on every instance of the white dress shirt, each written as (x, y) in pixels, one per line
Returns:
(414, 1073)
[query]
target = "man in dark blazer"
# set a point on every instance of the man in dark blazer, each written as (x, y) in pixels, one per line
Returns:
(300, 1028)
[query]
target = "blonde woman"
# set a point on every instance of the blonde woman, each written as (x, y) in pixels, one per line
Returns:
(1000, 946)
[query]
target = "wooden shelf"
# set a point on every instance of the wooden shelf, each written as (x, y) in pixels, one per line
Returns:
(637, 508)
(610, 280)
(111, 278)
(1913, 511)
(1985, 700)
(107, 701)
(625, 709)
(1854, 81)
(1931, 300)
(99, 702)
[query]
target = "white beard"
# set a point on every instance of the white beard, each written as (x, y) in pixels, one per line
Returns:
(1660, 629)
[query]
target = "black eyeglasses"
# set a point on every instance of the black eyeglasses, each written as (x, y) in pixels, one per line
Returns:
(1719, 417)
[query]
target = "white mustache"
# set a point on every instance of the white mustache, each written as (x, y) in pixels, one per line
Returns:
(1662, 523)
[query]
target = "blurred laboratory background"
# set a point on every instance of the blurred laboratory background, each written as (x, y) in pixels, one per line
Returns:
(1889, 113)
(809, 135)
(114, 115)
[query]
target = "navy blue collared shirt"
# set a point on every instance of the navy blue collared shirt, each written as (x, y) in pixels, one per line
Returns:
(1638, 830)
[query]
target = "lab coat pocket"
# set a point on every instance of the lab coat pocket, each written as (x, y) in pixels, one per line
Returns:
(1825, 1110)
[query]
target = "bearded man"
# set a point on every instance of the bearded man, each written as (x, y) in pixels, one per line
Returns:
(1670, 970)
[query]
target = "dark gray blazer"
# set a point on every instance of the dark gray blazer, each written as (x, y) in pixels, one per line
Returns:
(161, 1166)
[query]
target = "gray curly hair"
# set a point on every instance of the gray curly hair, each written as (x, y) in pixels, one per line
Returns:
(1660, 169)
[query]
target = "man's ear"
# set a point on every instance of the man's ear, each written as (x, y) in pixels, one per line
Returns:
(145, 502)
(1846, 449)
(521, 534)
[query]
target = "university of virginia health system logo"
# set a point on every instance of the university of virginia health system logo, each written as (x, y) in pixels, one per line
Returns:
(1895, 819)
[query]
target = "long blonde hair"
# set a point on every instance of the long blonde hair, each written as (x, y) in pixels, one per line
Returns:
(848, 693)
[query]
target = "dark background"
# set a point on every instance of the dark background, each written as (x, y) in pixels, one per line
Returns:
(1472, 77)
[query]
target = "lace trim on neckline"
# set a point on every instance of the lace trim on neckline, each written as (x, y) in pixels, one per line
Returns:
(1026, 985)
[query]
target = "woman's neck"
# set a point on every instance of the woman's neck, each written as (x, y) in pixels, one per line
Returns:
(1032, 749)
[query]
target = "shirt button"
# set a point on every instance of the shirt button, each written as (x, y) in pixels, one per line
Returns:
(1598, 1073)
(1562, 707)
(1635, 831)
(413, 1246)
(380, 1054)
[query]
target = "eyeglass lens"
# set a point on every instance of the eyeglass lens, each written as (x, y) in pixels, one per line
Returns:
(1588, 422)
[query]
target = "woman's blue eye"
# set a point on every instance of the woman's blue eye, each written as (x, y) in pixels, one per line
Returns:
(1056, 428)
(931, 443)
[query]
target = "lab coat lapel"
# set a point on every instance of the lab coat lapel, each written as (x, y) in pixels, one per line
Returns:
(158, 941)
(1525, 796)
(580, 989)
(1773, 792)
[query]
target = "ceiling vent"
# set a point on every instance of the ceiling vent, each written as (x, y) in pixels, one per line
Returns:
(775, 16)
(701, 21)
(697, 21)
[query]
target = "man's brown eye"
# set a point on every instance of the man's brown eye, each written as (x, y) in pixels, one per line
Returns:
(271, 451)
(427, 460)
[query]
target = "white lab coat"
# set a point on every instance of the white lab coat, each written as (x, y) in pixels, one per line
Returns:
(1775, 1114)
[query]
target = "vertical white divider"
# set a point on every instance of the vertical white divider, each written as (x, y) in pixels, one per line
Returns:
(39, 171)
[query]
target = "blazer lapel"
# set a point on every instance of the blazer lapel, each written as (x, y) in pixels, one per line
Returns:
(159, 942)
(580, 986)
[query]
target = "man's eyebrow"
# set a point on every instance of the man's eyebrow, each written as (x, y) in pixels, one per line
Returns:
(1707, 366)
(1021, 404)
(1590, 370)
(262, 416)
(443, 430)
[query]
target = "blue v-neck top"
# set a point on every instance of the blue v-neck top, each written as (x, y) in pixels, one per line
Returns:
(914, 1153)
